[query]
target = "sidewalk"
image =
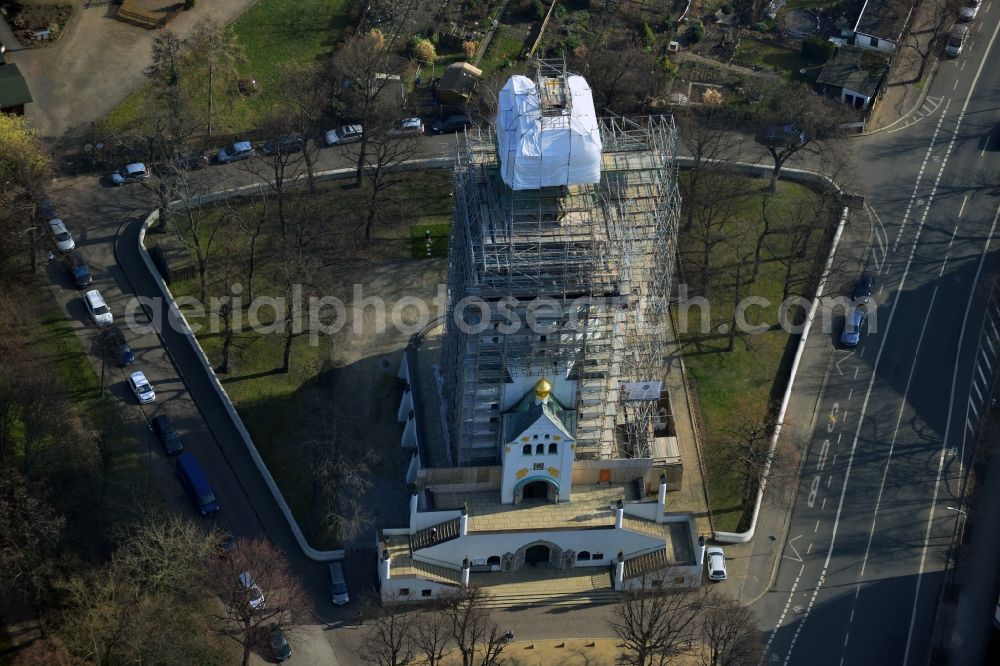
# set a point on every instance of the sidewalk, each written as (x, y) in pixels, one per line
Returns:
(7, 37)
(571, 652)
(906, 89)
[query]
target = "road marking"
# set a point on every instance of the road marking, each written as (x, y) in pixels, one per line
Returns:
(878, 358)
(834, 463)
(859, 367)
(968, 423)
(955, 87)
(816, 529)
(845, 416)
(920, 174)
(850, 393)
(828, 480)
(823, 505)
(810, 548)
(943, 265)
(846, 637)
(954, 382)
(823, 452)
(961, 67)
(986, 358)
(895, 431)
(975, 411)
(978, 392)
(852, 615)
(960, 209)
(982, 375)
(791, 544)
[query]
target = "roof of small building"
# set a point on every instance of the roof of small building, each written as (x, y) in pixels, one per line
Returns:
(13, 88)
(856, 69)
(531, 407)
(884, 18)
(460, 78)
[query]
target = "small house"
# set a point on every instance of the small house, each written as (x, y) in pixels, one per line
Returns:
(855, 76)
(881, 24)
(458, 82)
(14, 93)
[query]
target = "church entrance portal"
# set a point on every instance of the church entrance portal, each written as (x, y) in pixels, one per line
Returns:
(536, 490)
(537, 554)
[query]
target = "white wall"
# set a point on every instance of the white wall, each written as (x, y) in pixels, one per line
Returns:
(484, 545)
(392, 589)
(882, 45)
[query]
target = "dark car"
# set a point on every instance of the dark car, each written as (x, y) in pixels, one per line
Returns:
(454, 123)
(166, 435)
(115, 344)
(47, 209)
(854, 324)
(78, 269)
(190, 162)
(863, 289)
(783, 135)
(280, 649)
(285, 144)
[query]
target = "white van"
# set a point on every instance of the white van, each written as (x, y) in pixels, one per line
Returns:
(957, 39)
(98, 309)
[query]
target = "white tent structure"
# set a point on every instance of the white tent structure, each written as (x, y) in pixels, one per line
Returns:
(547, 133)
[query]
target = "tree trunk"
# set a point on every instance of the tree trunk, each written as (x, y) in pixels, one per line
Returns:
(736, 302)
(706, 253)
(227, 337)
(286, 360)
(362, 151)
(760, 241)
(211, 83)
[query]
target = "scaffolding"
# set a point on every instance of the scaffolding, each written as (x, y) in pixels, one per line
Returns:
(589, 266)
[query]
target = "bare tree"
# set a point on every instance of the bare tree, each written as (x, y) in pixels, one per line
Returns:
(730, 634)
(470, 625)
(257, 587)
(430, 634)
(386, 151)
(30, 531)
(198, 229)
(389, 640)
(707, 136)
(622, 76)
(279, 168)
(711, 217)
(656, 624)
(215, 45)
(307, 93)
(928, 23)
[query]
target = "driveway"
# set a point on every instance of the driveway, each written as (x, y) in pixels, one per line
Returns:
(95, 64)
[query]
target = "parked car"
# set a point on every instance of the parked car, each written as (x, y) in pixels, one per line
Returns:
(130, 173)
(454, 123)
(854, 324)
(240, 150)
(115, 344)
(863, 289)
(338, 584)
(98, 309)
(189, 161)
(196, 484)
(783, 135)
(61, 235)
(141, 387)
(47, 209)
(77, 267)
(957, 40)
(284, 144)
(166, 435)
(280, 649)
(969, 12)
(227, 544)
(346, 134)
(255, 595)
(409, 127)
(716, 564)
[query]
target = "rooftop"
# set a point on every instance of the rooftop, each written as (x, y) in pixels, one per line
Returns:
(884, 18)
(856, 69)
(13, 88)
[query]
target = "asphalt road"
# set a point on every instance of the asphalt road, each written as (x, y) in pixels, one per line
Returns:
(861, 575)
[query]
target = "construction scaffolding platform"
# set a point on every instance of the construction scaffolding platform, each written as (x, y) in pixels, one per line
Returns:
(569, 282)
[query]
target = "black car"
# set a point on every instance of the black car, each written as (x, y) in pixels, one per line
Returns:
(47, 209)
(454, 123)
(78, 269)
(863, 289)
(783, 135)
(168, 437)
(280, 649)
(190, 162)
(285, 144)
(115, 344)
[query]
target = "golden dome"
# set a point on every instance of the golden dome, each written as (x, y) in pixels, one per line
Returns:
(543, 389)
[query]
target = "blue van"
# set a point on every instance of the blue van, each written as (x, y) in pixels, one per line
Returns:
(196, 484)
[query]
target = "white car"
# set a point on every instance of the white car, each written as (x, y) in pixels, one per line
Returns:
(346, 134)
(969, 12)
(130, 173)
(716, 563)
(409, 126)
(141, 388)
(241, 150)
(98, 309)
(63, 238)
(255, 596)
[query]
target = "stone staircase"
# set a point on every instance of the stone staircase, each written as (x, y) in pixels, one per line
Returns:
(446, 531)
(644, 526)
(644, 564)
(407, 566)
(565, 590)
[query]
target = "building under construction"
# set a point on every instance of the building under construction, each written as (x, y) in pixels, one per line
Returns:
(561, 258)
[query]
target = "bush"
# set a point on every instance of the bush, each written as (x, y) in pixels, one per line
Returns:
(649, 36)
(669, 66)
(669, 24)
(469, 49)
(572, 43)
(424, 51)
(727, 9)
(817, 49)
(540, 9)
(695, 32)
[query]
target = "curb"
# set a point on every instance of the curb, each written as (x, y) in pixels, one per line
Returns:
(920, 101)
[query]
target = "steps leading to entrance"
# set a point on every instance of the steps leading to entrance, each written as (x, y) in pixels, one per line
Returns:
(435, 534)
(540, 598)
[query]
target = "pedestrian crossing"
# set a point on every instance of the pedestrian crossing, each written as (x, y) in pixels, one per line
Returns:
(981, 393)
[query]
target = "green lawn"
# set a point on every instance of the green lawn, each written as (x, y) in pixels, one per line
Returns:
(750, 53)
(278, 408)
(272, 32)
(503, 50)
(735, 387)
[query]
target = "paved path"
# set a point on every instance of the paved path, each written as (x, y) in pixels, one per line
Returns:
(7, 37)
(96, 63)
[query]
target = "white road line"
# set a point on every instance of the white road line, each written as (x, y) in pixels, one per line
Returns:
(829, 480)
(816, 529)
(847, 636)
(810, 548)
(951, 400)
(986, 358)
(968, 423)
(982, 375)
(920, 175)
(978, 392)
(955, 87)
(823, 505)
(859, 367)
(961, 67)
(843, 419)
(975, 411)
(852, 615)
(850, 393)
(960, 209)
(878, 356)
(944, 264)
(895, 430)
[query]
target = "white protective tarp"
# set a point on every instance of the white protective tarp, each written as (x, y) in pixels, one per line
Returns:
(538, 152)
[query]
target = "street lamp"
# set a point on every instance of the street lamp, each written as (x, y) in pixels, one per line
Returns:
(961, 511)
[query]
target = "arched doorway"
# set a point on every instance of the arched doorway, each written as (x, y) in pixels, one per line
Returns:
(537, 554)
(535, 490)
